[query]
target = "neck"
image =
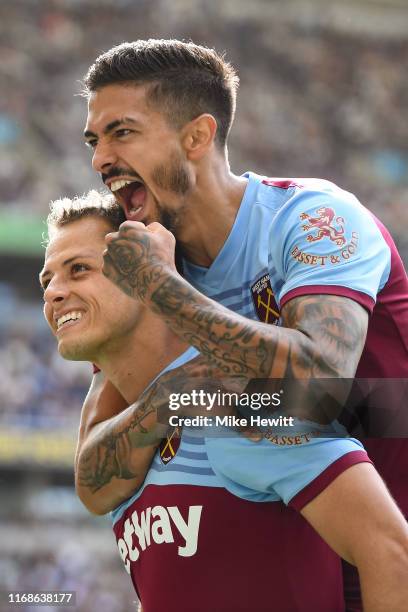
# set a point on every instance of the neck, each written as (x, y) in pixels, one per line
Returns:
(211, 209)
(132, 362)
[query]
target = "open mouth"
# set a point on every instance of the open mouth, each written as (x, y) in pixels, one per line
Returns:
(130, 194)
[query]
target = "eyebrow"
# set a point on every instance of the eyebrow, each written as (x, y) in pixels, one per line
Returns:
(111, 126)
(45, 273)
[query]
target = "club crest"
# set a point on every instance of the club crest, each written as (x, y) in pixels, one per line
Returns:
(170, 445)
(264, 300)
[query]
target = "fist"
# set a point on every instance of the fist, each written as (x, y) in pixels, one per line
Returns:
(136, 255)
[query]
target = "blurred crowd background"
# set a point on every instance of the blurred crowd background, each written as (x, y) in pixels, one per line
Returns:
(323, 93)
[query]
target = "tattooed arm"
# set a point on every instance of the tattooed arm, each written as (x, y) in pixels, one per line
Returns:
(117, 443)
(107, 469)
(102, 402)
(322, 335)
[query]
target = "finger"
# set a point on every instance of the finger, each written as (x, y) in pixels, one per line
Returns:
(111, 236)
(129, 225)
(155, 227)
(108, 264)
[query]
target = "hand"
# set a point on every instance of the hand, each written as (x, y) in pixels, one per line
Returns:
(137, 255)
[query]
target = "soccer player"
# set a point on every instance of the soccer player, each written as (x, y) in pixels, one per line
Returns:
(299, 252)
(207, 530)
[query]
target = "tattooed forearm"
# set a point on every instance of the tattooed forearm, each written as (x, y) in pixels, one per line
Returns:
(108, 452)
(133, 278)
(322, 335)
(227, 340)
(116, 453)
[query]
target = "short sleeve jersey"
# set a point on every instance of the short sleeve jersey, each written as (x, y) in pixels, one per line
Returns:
(218, 524)
(295, 237)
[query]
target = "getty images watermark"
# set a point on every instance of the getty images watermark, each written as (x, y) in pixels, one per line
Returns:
(222, 401)
(332, 407)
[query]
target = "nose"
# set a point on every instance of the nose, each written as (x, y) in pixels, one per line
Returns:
(103, 157)
(56, 292)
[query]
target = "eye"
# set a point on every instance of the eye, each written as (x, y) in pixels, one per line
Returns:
(44, 284)
(123, 132)
(91, 144)
(77, 268)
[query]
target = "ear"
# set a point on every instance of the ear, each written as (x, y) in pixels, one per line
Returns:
(198, 136)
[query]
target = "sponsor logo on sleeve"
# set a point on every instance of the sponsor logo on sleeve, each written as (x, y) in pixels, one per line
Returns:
(326, 225)
(264, 300)
(293, 440)
(159, 525)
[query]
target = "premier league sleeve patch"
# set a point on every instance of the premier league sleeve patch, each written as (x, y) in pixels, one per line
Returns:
(264, 300)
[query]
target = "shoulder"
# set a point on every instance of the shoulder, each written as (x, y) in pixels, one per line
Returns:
(324, 218)
(320, 202)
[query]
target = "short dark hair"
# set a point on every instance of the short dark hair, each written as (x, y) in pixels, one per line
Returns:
(92, 204)
(186, 79)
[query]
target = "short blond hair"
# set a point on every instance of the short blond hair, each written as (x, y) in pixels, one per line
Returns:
(91, 204)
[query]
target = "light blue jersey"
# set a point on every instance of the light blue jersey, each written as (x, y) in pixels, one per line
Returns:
(194, 515)
(277, 468)
(192, 534)
(295, 237)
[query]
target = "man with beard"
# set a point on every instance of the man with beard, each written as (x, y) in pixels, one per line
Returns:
(299, 252)
(206, 532)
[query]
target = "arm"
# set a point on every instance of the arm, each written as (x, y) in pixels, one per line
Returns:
(323, 336)
(117, 443)
(103, 401)
(366, 529)
(107, 468)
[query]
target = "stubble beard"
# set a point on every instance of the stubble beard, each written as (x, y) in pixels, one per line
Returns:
(75, 351)
(173, 177)
(81, 348)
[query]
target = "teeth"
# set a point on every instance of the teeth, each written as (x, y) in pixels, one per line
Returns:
(134, 211)
(70, 316)
(115, 185)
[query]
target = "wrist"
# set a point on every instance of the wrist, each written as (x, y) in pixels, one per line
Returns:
(154, 277)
